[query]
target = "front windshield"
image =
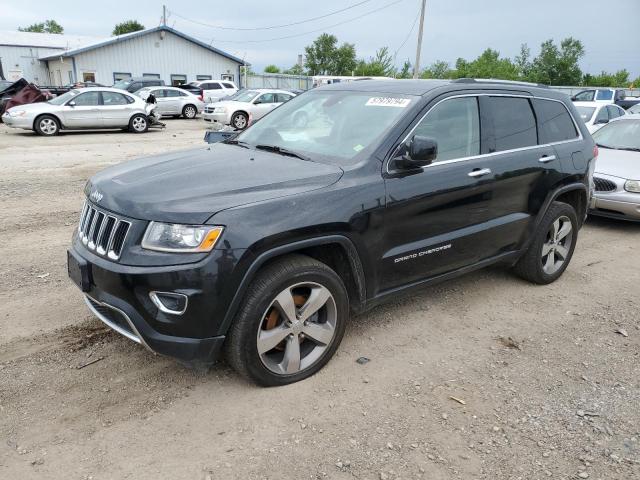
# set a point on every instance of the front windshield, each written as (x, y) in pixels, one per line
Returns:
(122, 84)
(330, 124)
(621, 134)
(244, 96)
(65, 97)
(585, 112)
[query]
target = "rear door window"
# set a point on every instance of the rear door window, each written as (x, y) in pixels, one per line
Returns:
(87, 99)
(455, 125)
(113, 98)
(604, 95)
(213, 86)
(602, 116)
(514, 124)
(614, 112)
(228, 85)
(555, 121)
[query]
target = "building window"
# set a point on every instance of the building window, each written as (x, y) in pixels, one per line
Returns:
(88, 77)
(178, 80)
(151, 75)
(117, 76)
(227, 76)
(203, 77)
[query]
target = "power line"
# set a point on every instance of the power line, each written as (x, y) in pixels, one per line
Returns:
(272, 27)
(415, 20)
(310, 31)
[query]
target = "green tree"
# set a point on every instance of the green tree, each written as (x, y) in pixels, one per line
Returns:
(294, 70)
(127, 26)
(380, 65)
(438, 69)
(558, 66)
(523, 62)
(406, 71)
(48, 26)
(324, 57)
(490, 65)
(271, 69)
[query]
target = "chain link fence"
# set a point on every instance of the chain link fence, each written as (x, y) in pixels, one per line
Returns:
(276, 80)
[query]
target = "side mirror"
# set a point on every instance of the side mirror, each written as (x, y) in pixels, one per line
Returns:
(72, 103)
(257, 102)
(418, 152)
(602, 120)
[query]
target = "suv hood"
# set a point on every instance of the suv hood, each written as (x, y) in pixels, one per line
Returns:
(191, 186)
(618, 163)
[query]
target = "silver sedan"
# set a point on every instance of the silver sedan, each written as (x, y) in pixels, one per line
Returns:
(173, 101)
(617, 172)
(81, 108)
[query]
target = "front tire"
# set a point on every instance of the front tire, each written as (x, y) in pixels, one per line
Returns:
(47, 126)
(139, 123)
(189, 112)
(239, 120)
(552, 247)
(291, 322)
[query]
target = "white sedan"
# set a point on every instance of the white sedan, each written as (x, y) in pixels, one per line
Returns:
(174, 101)
(237, 110)
(596, 114)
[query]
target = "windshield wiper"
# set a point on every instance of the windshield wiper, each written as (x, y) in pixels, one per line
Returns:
(631, 149)
(233, 141)
(282, 151)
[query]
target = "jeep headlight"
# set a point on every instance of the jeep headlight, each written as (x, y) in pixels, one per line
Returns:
(632, 186)
(173, 237)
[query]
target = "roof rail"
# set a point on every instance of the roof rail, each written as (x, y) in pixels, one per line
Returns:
(498, 80)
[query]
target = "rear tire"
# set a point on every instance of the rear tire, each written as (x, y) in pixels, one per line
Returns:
(189, 111)
(552, 247)
(139, 123)
(47, 126)
(302, 345)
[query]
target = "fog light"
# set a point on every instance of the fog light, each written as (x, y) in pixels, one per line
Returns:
(169, 302)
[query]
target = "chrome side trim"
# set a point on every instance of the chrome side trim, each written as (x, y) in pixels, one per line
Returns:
(158, 303)
(485, 155)
(135, 336)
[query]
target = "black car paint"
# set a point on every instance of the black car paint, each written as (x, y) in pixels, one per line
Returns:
(272, 204)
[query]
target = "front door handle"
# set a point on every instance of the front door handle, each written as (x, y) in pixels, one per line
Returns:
(547, 158)
(479, 173)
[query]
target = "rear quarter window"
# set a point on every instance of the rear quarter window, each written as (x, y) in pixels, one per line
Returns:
(555, 121)
(514, 123)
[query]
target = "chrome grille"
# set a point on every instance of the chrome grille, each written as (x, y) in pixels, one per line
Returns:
(102, 232)
(208, 109)
(604, 185)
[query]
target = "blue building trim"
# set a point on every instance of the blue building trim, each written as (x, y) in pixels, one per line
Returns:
(141, 33)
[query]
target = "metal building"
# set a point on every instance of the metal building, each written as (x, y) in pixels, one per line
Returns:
(160, 52)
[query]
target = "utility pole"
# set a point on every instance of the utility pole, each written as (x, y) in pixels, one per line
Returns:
(164, 16)
(416, 67)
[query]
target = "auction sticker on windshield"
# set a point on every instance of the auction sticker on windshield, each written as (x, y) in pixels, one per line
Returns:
(387, 102)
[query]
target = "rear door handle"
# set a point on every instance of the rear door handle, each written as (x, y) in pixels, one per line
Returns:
(480, 172)
(547, 158)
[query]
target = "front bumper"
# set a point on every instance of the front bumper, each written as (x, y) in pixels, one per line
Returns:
(222, 118)
(119, 296)
(617, 203)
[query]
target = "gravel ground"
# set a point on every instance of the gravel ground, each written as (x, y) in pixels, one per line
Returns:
(484, 377)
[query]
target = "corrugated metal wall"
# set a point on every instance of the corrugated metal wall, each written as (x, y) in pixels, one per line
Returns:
(24, 62)
(160, 53)
(274, 80)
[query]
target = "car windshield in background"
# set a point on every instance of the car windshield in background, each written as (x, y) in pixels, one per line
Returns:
(331, 125)
(122, 84)
(621, 135)
(604, 95)
(65, 97)
(586, 112)
(244, 96)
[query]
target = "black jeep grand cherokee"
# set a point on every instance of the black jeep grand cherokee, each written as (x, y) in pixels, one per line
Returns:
(342, 198)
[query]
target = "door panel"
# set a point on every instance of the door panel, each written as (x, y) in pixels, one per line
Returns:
(115, 110)
(85, 113)
(162, 101)
(267, 102)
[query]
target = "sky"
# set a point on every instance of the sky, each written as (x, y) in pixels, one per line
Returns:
(452, 29)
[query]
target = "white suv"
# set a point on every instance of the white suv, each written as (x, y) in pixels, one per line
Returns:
(215, 90)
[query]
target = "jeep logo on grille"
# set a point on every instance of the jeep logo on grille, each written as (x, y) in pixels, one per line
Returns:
(96, 196)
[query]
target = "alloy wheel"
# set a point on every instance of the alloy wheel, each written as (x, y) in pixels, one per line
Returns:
(557, 246)
(297, 328)
(48, 126)
(139, 124)
(189, 112)
(240, 122)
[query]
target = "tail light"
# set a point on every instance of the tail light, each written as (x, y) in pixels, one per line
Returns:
(595, 151)
(201, 96)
